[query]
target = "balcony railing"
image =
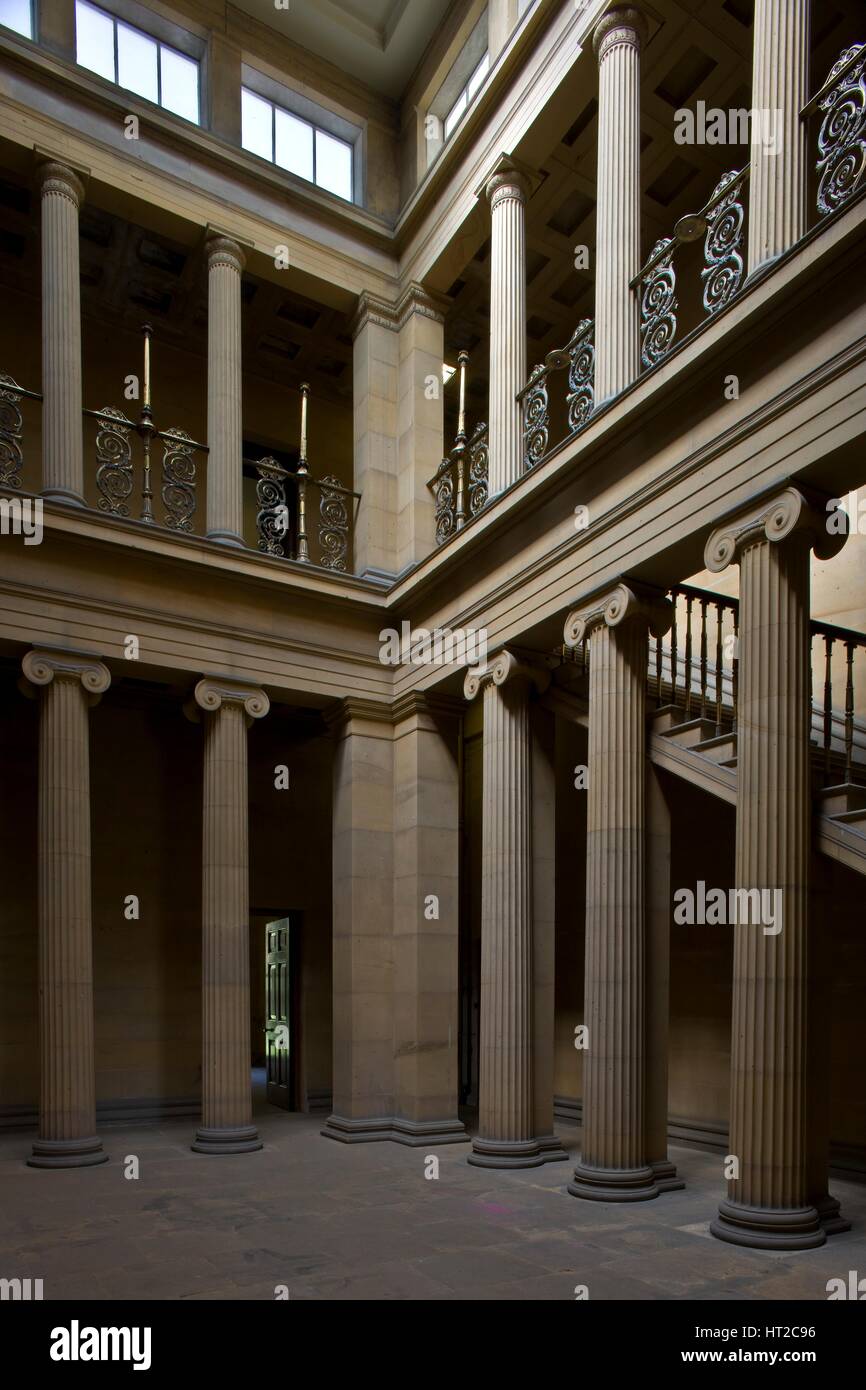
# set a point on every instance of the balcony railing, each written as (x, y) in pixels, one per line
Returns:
(12, 429)
(578, 356)
(842, 133)
(460, 483)
(141, 473)
(721, 222)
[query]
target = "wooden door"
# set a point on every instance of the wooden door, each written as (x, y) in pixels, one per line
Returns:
(279, 1059)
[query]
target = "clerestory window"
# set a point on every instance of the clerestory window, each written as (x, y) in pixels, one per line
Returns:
(137, 62)
(467, 96)
(296, 144)
(17, 15)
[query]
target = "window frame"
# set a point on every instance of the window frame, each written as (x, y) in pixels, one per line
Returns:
(464, 92)
(319, 120)
(33, 36)
(179, 42)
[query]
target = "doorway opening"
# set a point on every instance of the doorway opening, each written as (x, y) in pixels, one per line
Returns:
(275, 999)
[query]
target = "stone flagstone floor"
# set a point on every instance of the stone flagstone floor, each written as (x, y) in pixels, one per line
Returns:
(333, 1221)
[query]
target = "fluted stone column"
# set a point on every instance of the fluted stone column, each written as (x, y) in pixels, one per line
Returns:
(68, 683)
(614, 1165)
(62, 442)
(780, 89)
(617, 41)
(506, 1116)
(507, 192)
(767, 1205)
(225, 262)
(229, 707)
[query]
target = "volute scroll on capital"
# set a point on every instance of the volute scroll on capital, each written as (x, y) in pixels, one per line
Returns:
(622, 603)
(507, 665)
(211, 693)
(786, 513)
(41, 666)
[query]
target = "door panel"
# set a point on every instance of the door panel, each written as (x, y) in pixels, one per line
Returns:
(278, 993)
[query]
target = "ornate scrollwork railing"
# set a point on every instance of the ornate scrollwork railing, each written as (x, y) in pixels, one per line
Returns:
(721, 223)
(115, 465)
(460, 483)
(12, 429)
(281, 521)
(842, 136)
(578, 356)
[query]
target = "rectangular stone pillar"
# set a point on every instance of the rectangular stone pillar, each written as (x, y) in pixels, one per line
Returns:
(420, 445)
(376, 356)
(426, 920)
(363, 923)
(224, 89)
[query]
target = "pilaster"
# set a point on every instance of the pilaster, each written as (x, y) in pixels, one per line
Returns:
(62, 439)
(779, 152)
(225, 263)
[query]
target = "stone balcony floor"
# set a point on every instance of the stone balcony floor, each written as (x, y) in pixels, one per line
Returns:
(332, 1221)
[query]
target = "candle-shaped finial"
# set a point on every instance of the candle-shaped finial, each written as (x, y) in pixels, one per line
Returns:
(302, 461)
(148, 334)
(462, 363)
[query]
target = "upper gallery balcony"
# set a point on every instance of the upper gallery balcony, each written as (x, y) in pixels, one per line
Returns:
(181, 380)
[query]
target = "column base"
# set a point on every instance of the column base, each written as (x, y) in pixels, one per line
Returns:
(64, 495)
(614, 1184)
(516, 1153)
(413, 1133)
(243, 1140)
(67, 1153)
(665, 1175)
(227, 538)
(833, 1223)
(768, 1228)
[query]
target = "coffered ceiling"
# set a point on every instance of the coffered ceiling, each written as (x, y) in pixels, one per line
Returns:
(378, 41)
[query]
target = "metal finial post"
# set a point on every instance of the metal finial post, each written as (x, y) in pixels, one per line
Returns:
(146, 430)
(303, 550)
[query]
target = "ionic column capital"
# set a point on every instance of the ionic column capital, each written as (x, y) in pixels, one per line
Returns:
(212, 692)
(786, 513)
(624, 25)
(58, 178)
(42, 665)
(223, 251)
(620, 604)
(507, 665)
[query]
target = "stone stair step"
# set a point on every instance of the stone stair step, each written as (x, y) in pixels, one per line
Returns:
(722, 748)
(689, 733)
(854, 818)
(839, 800)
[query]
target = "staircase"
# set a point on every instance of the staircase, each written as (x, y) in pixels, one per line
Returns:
(693, 730)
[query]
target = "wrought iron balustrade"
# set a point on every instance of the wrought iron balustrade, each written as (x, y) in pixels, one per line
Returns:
(578, 356)
(460, 483)
(721, 222)
(116, 464)
(12, 429)
(842, 133)
(282, 518)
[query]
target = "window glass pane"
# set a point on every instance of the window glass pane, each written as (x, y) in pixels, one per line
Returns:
(334, 165)
(137, 62)
(293, 140)
(179, 84)
(15, 14)
(256, 130)
(478, 76)
(455, 113)
(94, 40)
